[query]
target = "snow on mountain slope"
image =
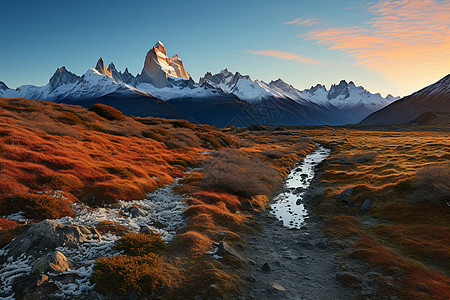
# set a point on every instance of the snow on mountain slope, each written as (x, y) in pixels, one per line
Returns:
(342, 96)
(91, 85)
(3, 86)
(346, 95)
(242, 86)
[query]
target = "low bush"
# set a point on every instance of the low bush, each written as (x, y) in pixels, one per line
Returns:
(122, 274)
(139, 244)
(235, 173)
(107, 112)
(432, 184)
(41, 206)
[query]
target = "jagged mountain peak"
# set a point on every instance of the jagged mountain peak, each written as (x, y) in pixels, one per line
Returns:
(101, 68)
(3, 86)
(158, 67)
(225, 72)
(62, 76)
(160, 47)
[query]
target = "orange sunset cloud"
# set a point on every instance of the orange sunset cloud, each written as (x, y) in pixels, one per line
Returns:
(406, 41)
(287, 55)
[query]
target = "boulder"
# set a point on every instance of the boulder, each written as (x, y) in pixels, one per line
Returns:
(53, 262)
(48, 235)
(367, 205)
(223, 249)
(137, 212)
(33, 287)
(148, 230)
(322, 244)
(345, 196)
(276, 288)
(265, 268)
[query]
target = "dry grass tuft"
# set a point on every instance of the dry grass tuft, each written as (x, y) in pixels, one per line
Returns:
(240, 175)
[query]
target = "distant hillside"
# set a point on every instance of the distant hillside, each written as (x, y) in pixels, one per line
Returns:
(434, 98)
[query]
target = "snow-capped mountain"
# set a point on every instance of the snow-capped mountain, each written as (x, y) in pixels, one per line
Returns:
(3, 86)
(343, 96)
(434, 98)
(165, 89)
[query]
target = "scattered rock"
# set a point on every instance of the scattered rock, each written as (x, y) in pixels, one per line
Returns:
(278, 223)
(137, 212)
(322, 244)
(349, 279)
(54, 262)
(223, 248)
(33, 287)
(276, 289)
(48, 235)
(307, 245)
(367, 205)
(250, 278)
(345, 196)
(252, 262)
(265, 268)
(347, 192)
(247, 205)
(302, 257)
(148, 230)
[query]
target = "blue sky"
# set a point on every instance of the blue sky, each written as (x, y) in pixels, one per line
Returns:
(302, 42)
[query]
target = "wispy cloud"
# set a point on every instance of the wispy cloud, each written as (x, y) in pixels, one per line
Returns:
(406, 41)
(303, 22)
(287, 55)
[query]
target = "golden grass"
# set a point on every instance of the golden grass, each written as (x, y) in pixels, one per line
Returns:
(392, 168)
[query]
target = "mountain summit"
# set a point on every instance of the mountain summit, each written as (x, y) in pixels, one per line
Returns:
(158, 67)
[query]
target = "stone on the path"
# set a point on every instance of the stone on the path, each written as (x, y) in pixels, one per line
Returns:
(54, 262)
(276, 289)
(367, 205)
(48, 235)
(223, 248)
(33, 287)
(137, 212)
(265, 268)
(148, 230)
(322, 244)
(345, 196)
(349, 279)
(278, 223)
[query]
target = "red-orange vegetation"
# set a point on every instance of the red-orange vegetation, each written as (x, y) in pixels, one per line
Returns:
(410, 275)
(38, 206)
(46, 147)
(231, 201)
(6, 224)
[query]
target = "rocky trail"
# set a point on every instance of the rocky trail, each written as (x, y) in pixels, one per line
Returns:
(290, 258)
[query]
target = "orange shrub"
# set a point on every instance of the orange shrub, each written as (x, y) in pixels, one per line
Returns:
(122, 274)
(231, 201)
(139, 244)
(107, 112)
(235, 173)
(41, 206)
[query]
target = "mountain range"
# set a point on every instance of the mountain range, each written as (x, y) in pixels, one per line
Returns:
(165, 89)
(423, 105)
